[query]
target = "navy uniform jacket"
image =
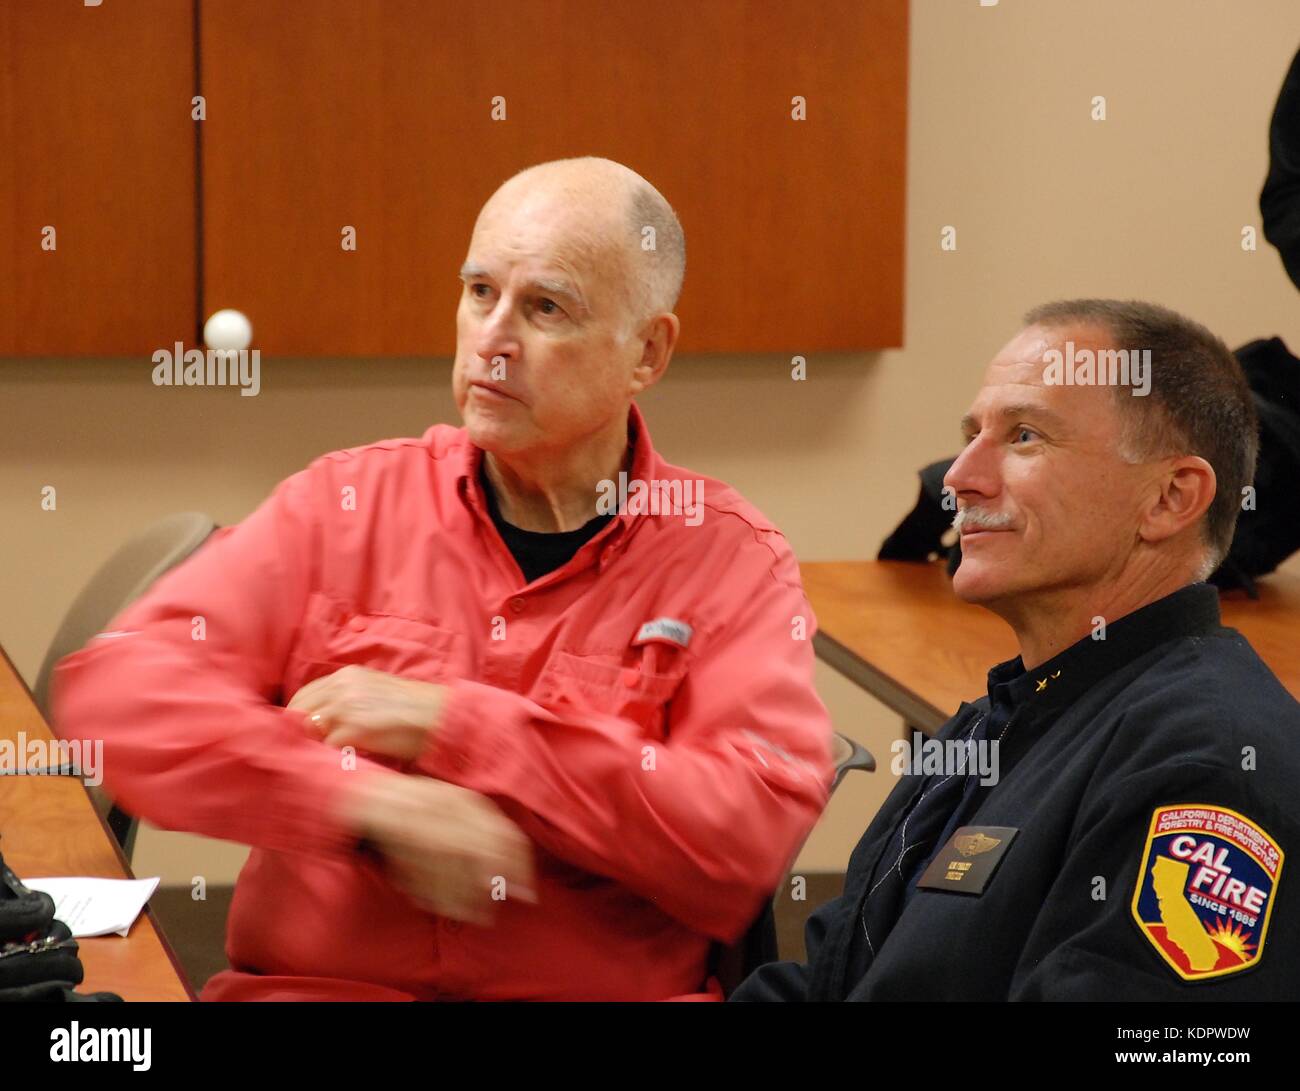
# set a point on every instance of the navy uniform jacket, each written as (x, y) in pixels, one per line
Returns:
(1169, 718)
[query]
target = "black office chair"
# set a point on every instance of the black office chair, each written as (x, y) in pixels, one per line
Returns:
(731, 965)
(122, 579)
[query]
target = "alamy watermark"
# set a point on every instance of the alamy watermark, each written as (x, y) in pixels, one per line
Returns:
(37, 757)
(653, 497)
(1105, 367)
(214, 367)
(921, 756)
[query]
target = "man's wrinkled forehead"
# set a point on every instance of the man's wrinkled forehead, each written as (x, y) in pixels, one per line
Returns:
(1016, 376)
(544, 227)
(1021, 361)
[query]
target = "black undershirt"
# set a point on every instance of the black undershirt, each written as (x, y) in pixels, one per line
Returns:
(539, 552)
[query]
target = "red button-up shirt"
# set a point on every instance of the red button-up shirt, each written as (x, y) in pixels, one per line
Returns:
(666, 774)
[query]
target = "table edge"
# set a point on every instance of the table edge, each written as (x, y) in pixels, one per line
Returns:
(179, 970)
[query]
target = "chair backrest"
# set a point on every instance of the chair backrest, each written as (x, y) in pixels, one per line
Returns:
(731, 965)
(847, 755)
(120, 580)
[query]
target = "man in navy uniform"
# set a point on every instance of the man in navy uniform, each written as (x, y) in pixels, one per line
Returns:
(1131, 841)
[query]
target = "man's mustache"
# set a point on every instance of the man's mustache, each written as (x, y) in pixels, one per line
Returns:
(980, 519)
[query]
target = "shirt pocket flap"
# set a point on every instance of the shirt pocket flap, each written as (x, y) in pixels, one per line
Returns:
(609, 682)
(333, 635)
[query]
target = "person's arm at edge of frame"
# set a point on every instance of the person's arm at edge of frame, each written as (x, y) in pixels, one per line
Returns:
(192, 740)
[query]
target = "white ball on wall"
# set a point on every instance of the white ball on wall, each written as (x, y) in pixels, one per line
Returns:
(228, 330)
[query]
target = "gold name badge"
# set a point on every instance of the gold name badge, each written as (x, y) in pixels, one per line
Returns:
(966, 863)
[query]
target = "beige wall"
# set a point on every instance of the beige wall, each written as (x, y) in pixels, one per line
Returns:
(1046, 203)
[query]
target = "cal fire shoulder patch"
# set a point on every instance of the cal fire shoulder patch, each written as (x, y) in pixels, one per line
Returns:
(1205, 889)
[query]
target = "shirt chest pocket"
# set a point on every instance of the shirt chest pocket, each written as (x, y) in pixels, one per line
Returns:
(334, 636)
(639, 692)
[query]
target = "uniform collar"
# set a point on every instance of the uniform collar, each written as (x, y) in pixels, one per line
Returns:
(1065, 677)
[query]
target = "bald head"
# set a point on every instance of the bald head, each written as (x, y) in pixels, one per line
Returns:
(608, 215)
(566, 313)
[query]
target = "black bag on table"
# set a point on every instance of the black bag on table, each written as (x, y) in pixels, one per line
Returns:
(38, 956)
(920, 536)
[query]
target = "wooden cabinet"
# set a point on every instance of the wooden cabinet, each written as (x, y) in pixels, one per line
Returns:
(96, 143)
(377, 115)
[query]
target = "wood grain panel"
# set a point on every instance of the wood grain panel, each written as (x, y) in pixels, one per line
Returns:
(96, 141)
(378, 116)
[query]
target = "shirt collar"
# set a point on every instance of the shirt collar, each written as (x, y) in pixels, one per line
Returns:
(642, 468)
(1065, 677)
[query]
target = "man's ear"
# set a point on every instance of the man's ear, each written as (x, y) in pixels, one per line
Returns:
(658, 340)
(1184, 492)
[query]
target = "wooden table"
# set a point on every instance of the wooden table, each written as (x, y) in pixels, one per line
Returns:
(49, 827)
(898, 631)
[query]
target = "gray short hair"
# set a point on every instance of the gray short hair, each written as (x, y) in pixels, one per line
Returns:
(661, 245)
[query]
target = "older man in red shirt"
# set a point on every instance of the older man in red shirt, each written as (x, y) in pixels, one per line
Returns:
(510, 711)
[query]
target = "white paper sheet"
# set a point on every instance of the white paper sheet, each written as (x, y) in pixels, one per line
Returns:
(97, 907)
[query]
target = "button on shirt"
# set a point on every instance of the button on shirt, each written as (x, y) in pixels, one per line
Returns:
(665, 774)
